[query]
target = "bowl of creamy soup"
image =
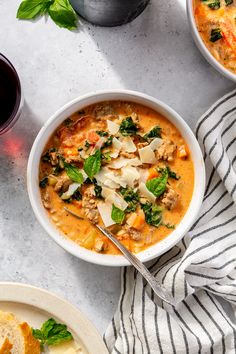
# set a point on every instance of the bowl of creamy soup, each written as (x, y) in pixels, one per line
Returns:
(120, 159)
(213, 28)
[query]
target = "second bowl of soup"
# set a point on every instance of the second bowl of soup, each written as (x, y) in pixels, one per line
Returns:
(120, 159)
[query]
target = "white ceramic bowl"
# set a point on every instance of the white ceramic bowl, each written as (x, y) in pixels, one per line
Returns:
(78, 104)
(202, 47)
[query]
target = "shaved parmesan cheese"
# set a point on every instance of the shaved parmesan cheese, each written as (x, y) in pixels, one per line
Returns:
(131, 219)
(100, 176)
(146, 193)
(105, 212)
(111, 184)
(128, 145)
(129, 175)
(147, 155)
(112, 127)
(99, 143)
(71, 190)
(117, 179)
(143, 175)
(117, 200)
(122, 162)
(156, 143)
(106, 192)
(116, 145)
(134, 162)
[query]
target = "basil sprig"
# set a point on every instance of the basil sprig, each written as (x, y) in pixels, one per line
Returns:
(60, 11)
(74, 173)
(92, 164)
(117, 215)
(52, 333)
(157, 186)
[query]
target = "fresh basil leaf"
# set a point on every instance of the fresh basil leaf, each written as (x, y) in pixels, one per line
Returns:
(154, 133)
(52, 333)
(228, 2)
(63, 14)
(37, 334)
(74, 173)
(30, 9)
(93, 164)
(61, 337)
(157, 186)
(128, 127)
(153, 214)
(117, 215)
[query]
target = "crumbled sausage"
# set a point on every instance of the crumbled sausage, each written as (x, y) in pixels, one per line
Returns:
(142, 145)
(76, 158)
(128, 155)
(53, 158)
(170, 198)
(134, 234)
(89, 203)
(46, 200)
(63, 183)
(166, 150)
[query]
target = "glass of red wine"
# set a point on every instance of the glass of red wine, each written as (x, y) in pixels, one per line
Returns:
(11, 99)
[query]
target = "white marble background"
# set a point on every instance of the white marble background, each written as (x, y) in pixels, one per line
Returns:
(154, 54)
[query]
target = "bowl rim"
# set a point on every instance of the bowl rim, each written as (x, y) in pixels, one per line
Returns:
(202, 47)
(108, 95)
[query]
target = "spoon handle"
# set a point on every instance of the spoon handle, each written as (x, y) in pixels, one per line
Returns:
(154, 284)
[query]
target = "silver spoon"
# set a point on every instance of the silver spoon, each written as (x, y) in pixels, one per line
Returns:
(142, 269)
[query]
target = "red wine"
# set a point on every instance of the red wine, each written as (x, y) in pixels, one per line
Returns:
(10, 94)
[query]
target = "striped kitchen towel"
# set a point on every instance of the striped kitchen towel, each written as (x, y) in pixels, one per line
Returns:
(200, 271)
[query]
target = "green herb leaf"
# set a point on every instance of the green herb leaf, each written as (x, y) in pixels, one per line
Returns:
(157, 185)
(97, 189)
(171, 173)
(63, 14)
(213, 4)
(215, 35)
(52, 333)
(74, 173)
(68, 122)
(108, 142)
(102, 133)
(128, 127)
(169, 226)
(30, 9)
(92, 164)
(154, 133)
(228, 2)
(87, 144)
(117, 215)
(43, 182)
(131, 197)
(153, 214)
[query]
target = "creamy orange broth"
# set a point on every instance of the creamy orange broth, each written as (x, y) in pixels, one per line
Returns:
(83, 232)
(222, 19)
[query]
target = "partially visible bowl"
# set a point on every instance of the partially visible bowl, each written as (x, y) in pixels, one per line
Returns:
(78, 104)
(202, 47)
